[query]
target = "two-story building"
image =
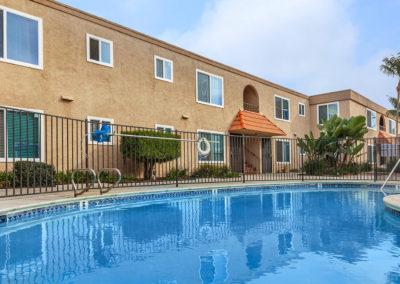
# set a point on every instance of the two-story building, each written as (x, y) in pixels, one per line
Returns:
(55, 59)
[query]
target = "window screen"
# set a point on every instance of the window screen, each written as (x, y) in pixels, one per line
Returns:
(94, 49)
(203, 87)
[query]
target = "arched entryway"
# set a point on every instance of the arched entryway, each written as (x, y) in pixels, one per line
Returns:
(250, 99)
(382, 123)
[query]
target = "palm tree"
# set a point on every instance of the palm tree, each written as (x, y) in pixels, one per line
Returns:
(391, 67)
(393, 102)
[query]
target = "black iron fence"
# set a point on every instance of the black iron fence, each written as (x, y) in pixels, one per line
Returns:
(42, 153)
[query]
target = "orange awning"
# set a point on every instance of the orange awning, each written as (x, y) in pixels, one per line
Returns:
(385, 138)
(253, 123)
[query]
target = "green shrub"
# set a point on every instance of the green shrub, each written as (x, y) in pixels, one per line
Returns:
(33, 173)
(182, 174)
(4, 180)
(150, 151)
(390, 164)
(207, 171)
(293, 170)
(313, 167)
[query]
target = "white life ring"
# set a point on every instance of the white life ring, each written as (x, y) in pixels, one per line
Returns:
(207, 150)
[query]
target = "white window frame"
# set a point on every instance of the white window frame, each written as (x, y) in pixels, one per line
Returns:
(212, 132)
(197, 90)
(281, 119)
(40, 39)
(155, 68)
(88, 37)
(41, 126)
(164, 126)
(327, 104)
(290, 152)
(394, 127)
(90, 141)
(373, 156)
(304, 108)
(366, 115)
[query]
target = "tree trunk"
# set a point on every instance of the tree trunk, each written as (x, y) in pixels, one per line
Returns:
(148, 169)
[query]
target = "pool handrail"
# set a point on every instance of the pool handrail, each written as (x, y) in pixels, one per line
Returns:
(389, 176)
(114, 184)
(88, 170)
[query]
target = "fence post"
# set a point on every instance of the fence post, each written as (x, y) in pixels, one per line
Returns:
(176, 159)
(243, 160)
(86, 149)
(302, 162)
(375, 161)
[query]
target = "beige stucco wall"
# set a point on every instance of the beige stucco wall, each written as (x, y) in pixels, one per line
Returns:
(128, 93)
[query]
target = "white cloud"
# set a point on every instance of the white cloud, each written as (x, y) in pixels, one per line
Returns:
(307, 45)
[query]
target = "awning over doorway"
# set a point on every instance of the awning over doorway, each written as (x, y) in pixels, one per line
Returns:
(253, 123)
(385, 138)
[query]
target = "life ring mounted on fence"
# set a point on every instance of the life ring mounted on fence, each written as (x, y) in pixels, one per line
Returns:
(206, 143)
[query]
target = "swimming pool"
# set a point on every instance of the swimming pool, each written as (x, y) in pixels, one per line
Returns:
(260, 235)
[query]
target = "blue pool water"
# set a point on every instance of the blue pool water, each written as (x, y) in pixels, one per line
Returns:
(264, 236)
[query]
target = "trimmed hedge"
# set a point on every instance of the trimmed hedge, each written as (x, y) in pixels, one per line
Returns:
(29, 173)
(208, 171)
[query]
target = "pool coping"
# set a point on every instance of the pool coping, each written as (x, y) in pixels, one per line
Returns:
(46, 207)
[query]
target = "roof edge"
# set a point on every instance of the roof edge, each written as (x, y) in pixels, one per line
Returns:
(130, 32)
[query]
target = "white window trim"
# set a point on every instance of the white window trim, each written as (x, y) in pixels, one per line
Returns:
(327, 104)
(88, 37)
(303, 115)
(164, 126)
(155, 68)
(40, 39)
(373, 156)
(41, 159)
(197, 90)
(394, 127)
(212, 132)
(89, 138)
(290, 152)
(366, 115)
(281, 119)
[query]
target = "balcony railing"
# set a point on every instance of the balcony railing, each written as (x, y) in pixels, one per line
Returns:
(250, 107)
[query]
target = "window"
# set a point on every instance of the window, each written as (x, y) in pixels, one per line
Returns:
(99, 50)
(95, 123)
(326, 111)
(163, 69)
(302, 151)
(371, 119)
(210, 89)
(20, 134)
(302, 109)
(20, 38)
(392, 127)
(164, 128)
(217, 153)
(371, 153)
(282, 108)
(282, 151)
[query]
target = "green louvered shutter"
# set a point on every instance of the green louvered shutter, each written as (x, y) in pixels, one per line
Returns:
(23, 135)
(2, 135)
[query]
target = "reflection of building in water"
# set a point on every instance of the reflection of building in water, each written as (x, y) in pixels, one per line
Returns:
(257, 233)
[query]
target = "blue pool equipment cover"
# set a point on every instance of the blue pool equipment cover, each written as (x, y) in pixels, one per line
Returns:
(103, 134)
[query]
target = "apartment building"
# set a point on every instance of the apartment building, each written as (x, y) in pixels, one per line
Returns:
(58, 60)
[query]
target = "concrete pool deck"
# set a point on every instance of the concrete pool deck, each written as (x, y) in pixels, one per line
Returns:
(24, 202)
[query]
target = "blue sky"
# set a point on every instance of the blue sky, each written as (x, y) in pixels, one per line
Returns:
(311, 46)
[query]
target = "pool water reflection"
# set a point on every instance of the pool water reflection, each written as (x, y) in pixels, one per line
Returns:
(292, 236)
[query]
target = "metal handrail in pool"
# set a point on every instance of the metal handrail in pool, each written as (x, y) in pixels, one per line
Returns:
(114, 184)
(389, 176)
(76, 193)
